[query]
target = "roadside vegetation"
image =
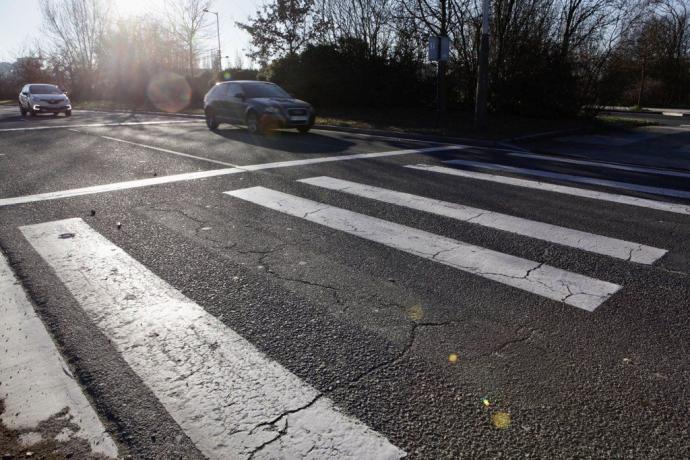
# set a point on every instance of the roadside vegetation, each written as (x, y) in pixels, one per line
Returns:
(363, 62)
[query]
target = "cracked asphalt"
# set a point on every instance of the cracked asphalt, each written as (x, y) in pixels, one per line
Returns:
(423, 353)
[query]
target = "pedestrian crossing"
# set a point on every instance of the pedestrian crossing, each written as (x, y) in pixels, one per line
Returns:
(584, 241)
(229, 398)
(677, 208)
(535, 277)
(233, 401)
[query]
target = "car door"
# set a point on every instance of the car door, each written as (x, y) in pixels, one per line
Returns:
(236, 102)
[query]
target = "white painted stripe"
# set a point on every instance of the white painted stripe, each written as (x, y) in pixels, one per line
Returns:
(117, 186)
(228, 397)
(173, 152)
(545, 186)
(599, 164)
(356, 156)
(205, 174)
(91, 125)
(553, 283)
(35, 382)
(571, 178)
(672, 114)
(585, 241)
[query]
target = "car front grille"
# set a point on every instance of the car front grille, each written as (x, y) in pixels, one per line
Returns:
(297, 112)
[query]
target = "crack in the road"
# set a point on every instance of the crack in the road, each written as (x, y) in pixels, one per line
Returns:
(273, 423)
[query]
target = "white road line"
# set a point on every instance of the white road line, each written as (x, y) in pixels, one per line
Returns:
(205, 174)
(550, 282)
(571, 178)
(228, 397)
(599, 164)
(91, 125)
(585, 241)
(545, 186)
(35, 382)
(173, 152)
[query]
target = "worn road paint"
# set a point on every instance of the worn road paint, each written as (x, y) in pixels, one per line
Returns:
(550, 282)
(585, 241)
(229, 398)
(571, 178)
(205, 174)
(600, 164)
(35, 382)
(548, 187)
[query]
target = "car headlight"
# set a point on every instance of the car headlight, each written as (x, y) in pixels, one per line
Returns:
(272, 110)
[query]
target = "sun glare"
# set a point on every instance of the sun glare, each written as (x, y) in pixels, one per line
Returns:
(125, 8)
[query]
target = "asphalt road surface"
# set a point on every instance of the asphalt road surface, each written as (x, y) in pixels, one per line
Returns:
(334, 295)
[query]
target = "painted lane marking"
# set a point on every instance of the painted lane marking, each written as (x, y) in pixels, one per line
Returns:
(90, 125)
(537, 278)
(173, 152)
(656, 171)
(571, 178)
(585, 241)
(545, 186)
(229, 398)
(205, 174)
(36, 381)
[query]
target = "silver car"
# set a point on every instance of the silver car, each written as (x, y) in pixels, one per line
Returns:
(43, 98)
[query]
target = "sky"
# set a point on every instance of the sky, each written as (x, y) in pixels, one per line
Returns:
(20, 24)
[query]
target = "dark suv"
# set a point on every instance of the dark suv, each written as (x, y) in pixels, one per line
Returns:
(258, 104)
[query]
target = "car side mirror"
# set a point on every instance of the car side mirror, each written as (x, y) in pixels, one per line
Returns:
(240, 96)
(25, 93)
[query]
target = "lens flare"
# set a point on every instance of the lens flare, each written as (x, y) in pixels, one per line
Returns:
(501, 420)
(169, 92)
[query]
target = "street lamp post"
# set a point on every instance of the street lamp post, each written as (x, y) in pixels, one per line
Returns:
(220, 61)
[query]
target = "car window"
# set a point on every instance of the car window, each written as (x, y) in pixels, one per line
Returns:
(259, 89)
(217, 91)
(44, 89)
(233, 89)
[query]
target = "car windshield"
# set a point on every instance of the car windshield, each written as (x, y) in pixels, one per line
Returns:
(254, 90)
(44, 89)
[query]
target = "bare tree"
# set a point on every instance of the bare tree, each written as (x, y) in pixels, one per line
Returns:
(282, 28)
(370, 21)
(186, 19)
(77, 28)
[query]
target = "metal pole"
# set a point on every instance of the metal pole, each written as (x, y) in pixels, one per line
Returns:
(480, 121)
(220, 59)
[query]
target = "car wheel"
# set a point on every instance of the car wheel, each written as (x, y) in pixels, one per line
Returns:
(23, 111)
(304, 129)
(211, 120)
(32, 112)
(68, 113)
(253, 124)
